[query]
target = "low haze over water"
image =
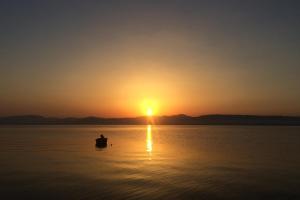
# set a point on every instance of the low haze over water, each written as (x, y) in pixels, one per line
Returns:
(150, 162)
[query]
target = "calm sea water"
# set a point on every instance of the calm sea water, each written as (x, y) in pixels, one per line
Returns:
(150, 162)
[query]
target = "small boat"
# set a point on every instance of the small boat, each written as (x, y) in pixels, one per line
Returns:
(101, 141)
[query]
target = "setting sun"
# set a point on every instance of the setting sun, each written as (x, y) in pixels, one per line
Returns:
(149, 107)
(149, 112)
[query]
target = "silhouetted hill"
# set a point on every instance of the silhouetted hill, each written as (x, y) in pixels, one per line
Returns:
(168, 120)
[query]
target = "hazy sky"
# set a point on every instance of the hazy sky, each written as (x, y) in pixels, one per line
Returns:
(110, 58)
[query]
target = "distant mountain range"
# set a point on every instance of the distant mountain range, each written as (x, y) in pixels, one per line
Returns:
(163, 120)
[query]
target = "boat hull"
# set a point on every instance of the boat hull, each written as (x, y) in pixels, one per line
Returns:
(101, 142)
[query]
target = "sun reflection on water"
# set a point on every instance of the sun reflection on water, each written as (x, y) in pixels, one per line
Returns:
(149, 144)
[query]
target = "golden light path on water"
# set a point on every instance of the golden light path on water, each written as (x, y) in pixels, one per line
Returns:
(149, 144)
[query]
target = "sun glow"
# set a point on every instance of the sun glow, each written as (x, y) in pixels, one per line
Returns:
(149, 112)
(149, 107)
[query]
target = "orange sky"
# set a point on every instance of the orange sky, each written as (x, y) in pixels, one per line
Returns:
(109, 59)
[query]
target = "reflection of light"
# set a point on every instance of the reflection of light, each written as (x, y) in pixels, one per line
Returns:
(149, 139)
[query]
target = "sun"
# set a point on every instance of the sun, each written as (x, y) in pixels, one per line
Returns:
(149, 112)
(149, 107)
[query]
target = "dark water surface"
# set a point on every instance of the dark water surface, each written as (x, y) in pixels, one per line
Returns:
(157, 162)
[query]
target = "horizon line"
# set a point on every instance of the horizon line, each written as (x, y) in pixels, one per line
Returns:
(180, 114)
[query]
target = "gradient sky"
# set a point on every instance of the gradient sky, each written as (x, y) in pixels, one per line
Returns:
(107, 58)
